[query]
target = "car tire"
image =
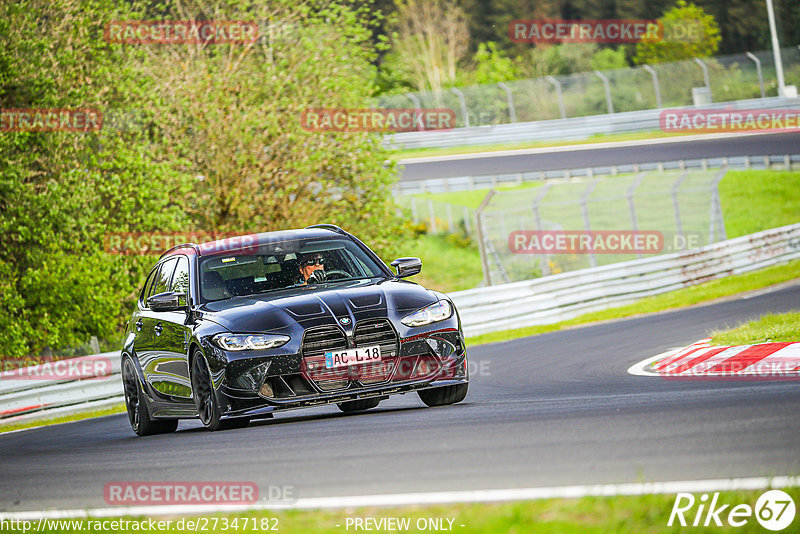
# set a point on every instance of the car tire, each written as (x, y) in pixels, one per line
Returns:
(136, 406)
(442, 396)
(358, 405)
(205, 398)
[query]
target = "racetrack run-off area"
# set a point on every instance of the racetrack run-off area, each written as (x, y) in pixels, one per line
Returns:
(558, 409)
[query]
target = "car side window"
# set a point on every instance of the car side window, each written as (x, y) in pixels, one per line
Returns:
(180, 279)
(147, 289)
(164, 276)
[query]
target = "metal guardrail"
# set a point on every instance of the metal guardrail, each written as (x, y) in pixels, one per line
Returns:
(489, 181)
(30, 397)
(561, 129)
(554, 298)
(541, 301)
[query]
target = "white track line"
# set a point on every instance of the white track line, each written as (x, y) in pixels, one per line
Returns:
(444, 497)
(571, 148)
(642, 368)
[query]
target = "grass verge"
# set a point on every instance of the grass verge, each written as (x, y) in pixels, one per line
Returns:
(769, 328)
(689, 296)
(641, 513)
(8, 427)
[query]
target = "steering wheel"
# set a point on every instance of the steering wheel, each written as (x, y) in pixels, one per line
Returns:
(336, 272)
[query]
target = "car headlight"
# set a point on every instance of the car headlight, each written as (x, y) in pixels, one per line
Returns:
(250, 341)
(430, 314)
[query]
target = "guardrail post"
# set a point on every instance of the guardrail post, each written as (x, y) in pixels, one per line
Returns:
(512, 113)
(432, 217)
(414, 214)
(632, 206)
(607, 87)
(705, 73)
(463, 102)
(467, 225)
(656, 88)
(676, 207)
(758, 69)
(559, 95)
(717, 221)
(417, 107)
(449, 211)
(544, 259)
(585, 209)
(487, 274)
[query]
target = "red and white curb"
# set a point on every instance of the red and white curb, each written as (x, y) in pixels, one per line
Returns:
(764, 361)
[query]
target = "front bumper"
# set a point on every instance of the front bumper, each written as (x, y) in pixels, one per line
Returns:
(432, 359)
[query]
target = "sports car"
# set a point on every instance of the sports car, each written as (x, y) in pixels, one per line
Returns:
(237, 329)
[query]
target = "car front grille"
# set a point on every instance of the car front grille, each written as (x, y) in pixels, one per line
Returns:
(377, 332)
(316, 342)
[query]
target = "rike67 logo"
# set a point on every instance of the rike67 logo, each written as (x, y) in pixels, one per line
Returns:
(774, 510)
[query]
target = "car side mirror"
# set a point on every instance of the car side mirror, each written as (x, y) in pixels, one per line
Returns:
(407, 266)
(168, 301)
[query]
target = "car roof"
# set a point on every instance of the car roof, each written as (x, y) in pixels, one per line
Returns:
(233, 243)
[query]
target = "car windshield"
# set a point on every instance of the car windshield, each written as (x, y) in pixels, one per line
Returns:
(283, 265)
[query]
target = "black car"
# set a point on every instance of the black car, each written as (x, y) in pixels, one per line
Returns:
(236, 329)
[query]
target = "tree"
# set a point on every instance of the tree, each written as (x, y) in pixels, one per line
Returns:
(431, 37)
(688, 32)
(217, 146)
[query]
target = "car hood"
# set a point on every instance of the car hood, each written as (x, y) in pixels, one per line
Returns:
(278, 310)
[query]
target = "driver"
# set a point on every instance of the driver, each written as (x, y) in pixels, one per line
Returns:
(312, 268)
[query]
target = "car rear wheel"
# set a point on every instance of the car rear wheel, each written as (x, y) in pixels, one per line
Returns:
(205, 399)
(135, 405)
(358, 405)
(444, 395)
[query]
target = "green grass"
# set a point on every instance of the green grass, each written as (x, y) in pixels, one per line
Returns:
(758, 200)
(446, 267)
(700, 293)
(769, 328)
(640, 514)
(7, 427)
(597, 138)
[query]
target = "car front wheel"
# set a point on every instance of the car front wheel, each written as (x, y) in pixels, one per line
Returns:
(205, 399)
(135, 405)
(444, 395)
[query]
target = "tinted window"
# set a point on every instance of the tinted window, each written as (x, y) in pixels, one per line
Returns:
(148, 285)
(180, 278)
(278, 266)
(164, 276)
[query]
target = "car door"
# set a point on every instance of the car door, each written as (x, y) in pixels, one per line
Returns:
(153, 328)
(141, 326)
(172, 334)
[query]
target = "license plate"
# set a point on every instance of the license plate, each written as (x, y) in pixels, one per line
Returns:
(346, 358)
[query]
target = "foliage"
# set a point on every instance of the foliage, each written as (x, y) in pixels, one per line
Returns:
(431, 37)
(491, 65)
(216, 145)
(701, 31)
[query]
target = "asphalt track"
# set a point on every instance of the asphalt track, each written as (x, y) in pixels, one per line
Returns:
(556, 409)
(671, 150)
